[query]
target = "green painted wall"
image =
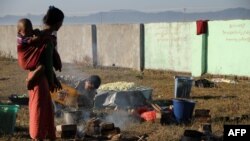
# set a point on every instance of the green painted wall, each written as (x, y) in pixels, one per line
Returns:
(168, 46)
(229, 47)
(198, 56)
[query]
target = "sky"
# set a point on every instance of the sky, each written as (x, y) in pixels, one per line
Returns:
(86, 7)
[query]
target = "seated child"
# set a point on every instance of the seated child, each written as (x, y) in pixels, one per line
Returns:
(79, 92)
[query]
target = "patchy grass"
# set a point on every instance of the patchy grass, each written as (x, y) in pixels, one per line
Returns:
(225, 100)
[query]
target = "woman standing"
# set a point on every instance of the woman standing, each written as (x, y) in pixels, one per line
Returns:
(41, 122)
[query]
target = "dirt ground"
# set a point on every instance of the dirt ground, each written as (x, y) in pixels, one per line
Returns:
(224, 100)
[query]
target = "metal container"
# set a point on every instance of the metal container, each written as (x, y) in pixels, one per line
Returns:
(147, 93)
(183, 85)
(72, 117)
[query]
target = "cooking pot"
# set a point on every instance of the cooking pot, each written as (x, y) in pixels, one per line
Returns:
(72, 117)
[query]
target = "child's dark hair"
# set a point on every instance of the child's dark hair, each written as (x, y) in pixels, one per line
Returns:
(53, 16)
(95, 80)
(27, 23)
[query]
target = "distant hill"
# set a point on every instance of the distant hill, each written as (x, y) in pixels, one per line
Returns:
(132, 16)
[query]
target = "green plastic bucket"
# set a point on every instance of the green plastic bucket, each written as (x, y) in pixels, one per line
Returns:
(8, 118)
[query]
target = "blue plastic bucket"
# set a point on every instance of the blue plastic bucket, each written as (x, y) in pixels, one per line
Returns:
(183, 85)
(183, 109)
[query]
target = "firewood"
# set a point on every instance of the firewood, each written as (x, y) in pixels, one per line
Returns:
(66, 127)
(92, 127)
(93, 122)
(155, 107)
(158, 107)
(66, 131)
(112, 132)
(116, 137)
(107, 126)
(92, 130)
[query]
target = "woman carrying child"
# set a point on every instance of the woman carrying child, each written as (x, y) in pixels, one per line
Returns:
(41, 116)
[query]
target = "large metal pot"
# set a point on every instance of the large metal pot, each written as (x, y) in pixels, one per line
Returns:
(72, 117)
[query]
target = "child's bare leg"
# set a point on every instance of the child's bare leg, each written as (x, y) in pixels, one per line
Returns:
(36, 73)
